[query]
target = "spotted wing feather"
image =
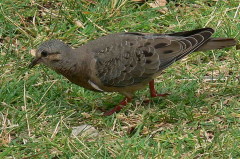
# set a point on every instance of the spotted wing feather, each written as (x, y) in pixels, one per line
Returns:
(130, 58)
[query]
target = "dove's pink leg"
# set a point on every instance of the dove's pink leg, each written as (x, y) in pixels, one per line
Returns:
(153, 91)
(118, 107)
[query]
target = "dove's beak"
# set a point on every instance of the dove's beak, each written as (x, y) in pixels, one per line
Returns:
(34, 62)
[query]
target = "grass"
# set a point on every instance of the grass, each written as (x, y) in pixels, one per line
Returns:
(39, 108)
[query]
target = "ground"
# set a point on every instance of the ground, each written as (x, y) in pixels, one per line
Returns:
(39, 108)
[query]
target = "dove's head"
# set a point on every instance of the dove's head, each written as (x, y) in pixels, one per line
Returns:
(51, 53)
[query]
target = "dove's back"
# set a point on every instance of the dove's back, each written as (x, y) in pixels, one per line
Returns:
(126, 59)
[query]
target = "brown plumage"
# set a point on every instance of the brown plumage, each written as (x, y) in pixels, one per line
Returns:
(124, 62)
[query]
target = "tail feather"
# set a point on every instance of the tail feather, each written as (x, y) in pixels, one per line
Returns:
(191, 32)
(217, 43)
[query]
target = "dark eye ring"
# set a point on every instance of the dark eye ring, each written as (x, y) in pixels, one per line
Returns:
(44, 53)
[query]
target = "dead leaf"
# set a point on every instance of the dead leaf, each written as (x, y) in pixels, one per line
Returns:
(33, 52)
(236, 115)
(159, 3)
(131, 120)
(85, 131)
(86, 115)
(145, 130)
(161, 126)
(5, 139)
(86, 12)
(79, 24)
(140, 157)
(164, 125)
(3, 53)
(209, 135)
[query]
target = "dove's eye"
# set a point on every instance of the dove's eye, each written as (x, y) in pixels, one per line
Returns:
(44, 53)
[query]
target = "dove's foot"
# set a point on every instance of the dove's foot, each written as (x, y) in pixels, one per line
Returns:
(118, 107)
(153, 91)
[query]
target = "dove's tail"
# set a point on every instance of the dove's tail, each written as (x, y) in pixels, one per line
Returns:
(217, 43)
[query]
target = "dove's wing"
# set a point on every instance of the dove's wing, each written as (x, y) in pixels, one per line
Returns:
(130, 58)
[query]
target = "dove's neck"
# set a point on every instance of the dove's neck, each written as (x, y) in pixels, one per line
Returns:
(75, 67)
(69, 64)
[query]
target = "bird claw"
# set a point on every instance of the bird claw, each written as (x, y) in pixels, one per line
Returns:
(116, 108)
(112, 111)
